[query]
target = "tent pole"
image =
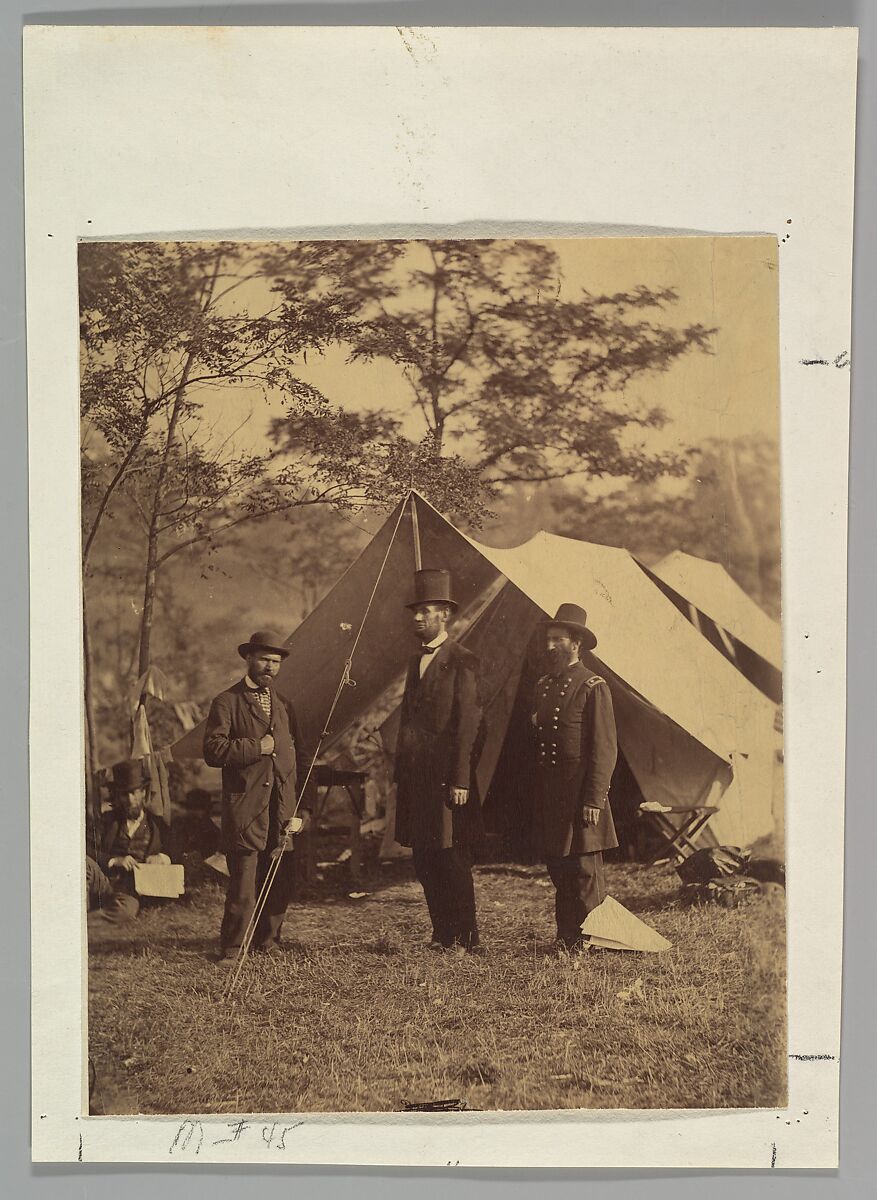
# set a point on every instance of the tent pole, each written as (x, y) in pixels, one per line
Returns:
(415, 529)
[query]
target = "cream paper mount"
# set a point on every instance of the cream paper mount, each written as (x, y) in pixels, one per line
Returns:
(364, 132)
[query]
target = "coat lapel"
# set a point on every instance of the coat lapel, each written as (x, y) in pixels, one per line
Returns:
(258, 712)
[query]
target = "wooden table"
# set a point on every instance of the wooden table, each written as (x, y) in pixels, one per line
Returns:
(677, 827)
(353, 782)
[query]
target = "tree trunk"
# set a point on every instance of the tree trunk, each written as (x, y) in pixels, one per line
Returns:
(152, 541)
(741, 552)
(92, 757)
(148, 602)
(158, 496)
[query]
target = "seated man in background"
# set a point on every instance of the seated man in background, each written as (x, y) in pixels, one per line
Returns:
(128, 835)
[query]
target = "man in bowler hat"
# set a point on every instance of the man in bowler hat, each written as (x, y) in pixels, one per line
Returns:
(437, 809)
(576, 749)
(128, 836)
(252, 734)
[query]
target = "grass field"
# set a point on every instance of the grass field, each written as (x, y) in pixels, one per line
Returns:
(358, 1015)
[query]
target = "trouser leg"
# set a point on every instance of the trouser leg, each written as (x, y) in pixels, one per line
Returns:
(114, 902)
(121, 908)
(459, 892)
(277, 901)
(558, 873)
(579, 888)
(427, 868)
(98, 888)
(592, 886)
(240, 897)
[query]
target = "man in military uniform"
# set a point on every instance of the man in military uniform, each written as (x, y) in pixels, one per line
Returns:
(576, 750)
(252, 734)
(437, 810)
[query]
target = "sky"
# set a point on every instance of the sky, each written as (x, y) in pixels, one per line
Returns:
(727, 283)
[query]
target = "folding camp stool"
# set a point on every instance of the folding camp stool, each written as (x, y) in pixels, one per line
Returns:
(677, 827)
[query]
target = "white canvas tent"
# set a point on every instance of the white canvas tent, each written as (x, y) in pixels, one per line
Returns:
(692, 729)
(727, 615)
(710, 588)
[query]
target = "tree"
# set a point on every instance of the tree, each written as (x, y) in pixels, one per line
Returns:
(167, 329)
(511, 380)
(523, 384)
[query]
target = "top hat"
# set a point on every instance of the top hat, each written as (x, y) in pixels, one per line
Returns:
(432, 585)
(264, 639)
(129, 776)
(571, 617)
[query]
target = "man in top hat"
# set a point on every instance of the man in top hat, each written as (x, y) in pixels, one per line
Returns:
(128, 835)
(576, 749)
(252, 734)
(437, 810)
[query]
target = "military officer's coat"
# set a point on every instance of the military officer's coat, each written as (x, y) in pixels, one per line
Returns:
(440, 737)
(575, 749)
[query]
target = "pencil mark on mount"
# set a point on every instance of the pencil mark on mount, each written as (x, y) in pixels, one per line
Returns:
(287, 1129)
(813, 1057)
(405, 42)
(238, 1128)
(840, 361)
(773, 1154)
(187, 1130)
(80, 1147)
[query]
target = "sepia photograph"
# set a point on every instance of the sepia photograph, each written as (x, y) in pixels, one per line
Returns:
(432, 675)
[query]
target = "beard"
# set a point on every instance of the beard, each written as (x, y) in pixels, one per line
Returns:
(557, 660)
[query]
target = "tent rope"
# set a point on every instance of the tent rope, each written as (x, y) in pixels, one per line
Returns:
(343, 682)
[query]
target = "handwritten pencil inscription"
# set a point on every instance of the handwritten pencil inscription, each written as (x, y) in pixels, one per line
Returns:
(840, 361)
(190, 1136)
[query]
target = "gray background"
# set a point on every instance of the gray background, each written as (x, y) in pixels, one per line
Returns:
(858, 1059)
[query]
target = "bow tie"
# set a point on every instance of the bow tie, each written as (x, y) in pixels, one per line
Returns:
(428, 649)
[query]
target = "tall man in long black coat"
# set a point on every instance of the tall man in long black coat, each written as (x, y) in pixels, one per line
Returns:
(252, 734)
(437, 808)
(576, 749)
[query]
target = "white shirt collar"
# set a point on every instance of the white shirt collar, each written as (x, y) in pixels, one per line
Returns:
(254, 687)
(132, 825)
(426, 659)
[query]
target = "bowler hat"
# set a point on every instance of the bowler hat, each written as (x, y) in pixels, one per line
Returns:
(263, 639)
(432, 585)
(130, 775)
(571, 617)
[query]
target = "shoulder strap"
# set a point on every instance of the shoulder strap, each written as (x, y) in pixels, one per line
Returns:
(594, 680)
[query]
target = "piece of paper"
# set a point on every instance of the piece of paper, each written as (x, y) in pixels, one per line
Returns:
(164, 880)
(384, 133)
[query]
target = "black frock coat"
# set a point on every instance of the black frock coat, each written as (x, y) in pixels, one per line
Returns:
(575, 749)
(440, 738)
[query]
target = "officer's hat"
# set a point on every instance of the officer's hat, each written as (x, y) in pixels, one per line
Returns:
(575, 619)
(432, 585)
